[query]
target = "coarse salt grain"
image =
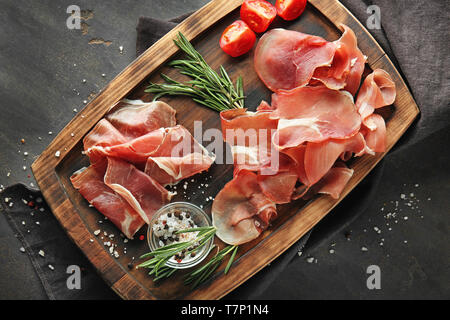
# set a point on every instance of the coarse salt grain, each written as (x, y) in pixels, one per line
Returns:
(42, 253)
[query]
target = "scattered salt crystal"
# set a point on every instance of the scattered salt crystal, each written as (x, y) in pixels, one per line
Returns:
(57, 154)
(405, 218)
(402, 196)
(22, 249)
(51, 267)
(24, 168)
(364, 249)
(50, 133)
(42, 253)
(310, 260)
(97, 232)
(23, 223)
(25, 153)
(91, 240)
(331, 251)
(300, 253)
(6, 200)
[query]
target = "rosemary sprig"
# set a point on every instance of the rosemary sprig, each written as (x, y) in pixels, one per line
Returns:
(203, 273)
(160, 256)
(207, 87)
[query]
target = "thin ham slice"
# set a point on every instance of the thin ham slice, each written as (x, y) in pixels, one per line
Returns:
(171, 170)
(249, 135)
(333, 183)
(135, 151)
(375, 137)
(104, 134)
(241, 211)
(320, 157)
(313, 114)
(378, 90)
(347, 66)
(286, 59)
(141, 191)
(163, 142)
(89, 183)
(135, 118)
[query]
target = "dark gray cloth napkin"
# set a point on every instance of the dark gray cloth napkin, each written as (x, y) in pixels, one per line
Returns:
(415, 35)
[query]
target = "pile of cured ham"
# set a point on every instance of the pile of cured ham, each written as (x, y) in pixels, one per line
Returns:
(315, 126)
(134, 152)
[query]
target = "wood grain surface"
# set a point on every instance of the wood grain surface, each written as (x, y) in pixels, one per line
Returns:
(204, 28)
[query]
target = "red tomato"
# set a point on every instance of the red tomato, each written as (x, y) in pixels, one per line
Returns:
(290, 9)
(258, 14)
(237, 39)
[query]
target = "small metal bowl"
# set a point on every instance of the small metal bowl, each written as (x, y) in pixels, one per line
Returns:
(200, 218)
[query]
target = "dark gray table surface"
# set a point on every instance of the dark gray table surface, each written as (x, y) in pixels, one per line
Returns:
(42, 67)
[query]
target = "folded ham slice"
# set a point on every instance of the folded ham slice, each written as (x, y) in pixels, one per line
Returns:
(135, 151)
(320, 157)
(286, 59)
(171, 170)
(313, 114)
(347, 66)
(89, 183)
(135, 118)
(377, 90)
(333, 183)
(249, 135)
(141, 191)
(375, 137)
(241, 211)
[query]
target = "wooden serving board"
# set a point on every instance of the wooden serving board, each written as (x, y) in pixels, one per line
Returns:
(203, 28)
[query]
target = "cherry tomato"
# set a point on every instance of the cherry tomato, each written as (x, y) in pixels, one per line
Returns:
(290, 9)
(237, 39)
(258, 14)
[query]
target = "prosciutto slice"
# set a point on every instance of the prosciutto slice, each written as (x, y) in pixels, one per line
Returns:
(286, 59)
(241, 211)
(347, 66)
(89, 183)
(135, 118)
(136, 151)
(333, 183)
(313, 114)
(377, 90)
(320, 157)
(375, 138)
(249, 135)
(143, 193)
(171, 170)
